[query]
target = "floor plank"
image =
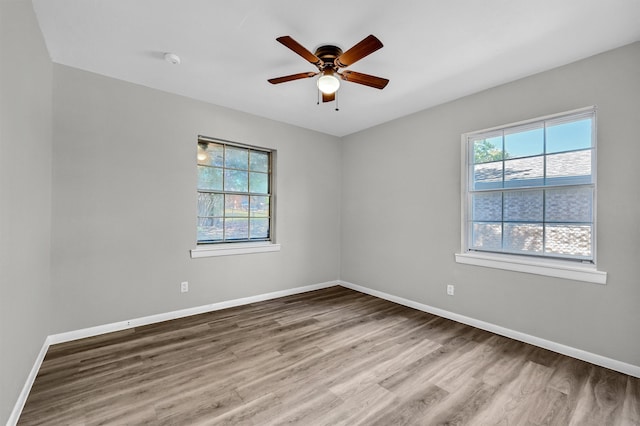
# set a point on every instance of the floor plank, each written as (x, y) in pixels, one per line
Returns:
(327, 357)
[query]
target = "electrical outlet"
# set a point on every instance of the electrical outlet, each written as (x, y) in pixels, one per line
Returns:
(184, 286)
(450, 289)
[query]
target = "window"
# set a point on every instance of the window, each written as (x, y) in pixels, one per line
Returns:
(234, 193)
(530, 188)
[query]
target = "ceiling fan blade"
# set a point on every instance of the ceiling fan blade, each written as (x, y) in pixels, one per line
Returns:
(292, 77)
(300, 50)
(328, 97)
(366, 47)
(366, 79)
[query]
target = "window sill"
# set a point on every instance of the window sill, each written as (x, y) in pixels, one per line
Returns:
(547, 267)
(233, 249)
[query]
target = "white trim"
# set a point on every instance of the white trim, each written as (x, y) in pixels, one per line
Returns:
(547, 267)
(233, 249)
(24, 394)
(623, 367)
(137, 322)
(584, 110)
(166, 316)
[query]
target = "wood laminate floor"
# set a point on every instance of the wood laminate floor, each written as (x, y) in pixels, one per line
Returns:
(327, 357)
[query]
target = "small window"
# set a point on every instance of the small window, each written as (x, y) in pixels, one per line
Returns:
(530, 188)
(234, 192)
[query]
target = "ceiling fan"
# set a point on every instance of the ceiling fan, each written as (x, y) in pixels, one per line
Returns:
(329, 60)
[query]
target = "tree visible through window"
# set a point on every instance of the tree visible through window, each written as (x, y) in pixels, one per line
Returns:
(531, 188)
(234, 193)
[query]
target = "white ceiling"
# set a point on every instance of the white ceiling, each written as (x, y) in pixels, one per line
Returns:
(434, 51)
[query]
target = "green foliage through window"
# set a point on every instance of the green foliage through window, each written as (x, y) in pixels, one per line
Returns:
(234, 193)
(486, 150)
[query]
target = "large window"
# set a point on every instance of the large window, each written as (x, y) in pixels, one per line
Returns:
(530, 188)
(234, 193)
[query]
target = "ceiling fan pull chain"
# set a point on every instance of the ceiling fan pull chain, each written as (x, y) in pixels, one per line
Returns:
(318, 103)
(337, 109)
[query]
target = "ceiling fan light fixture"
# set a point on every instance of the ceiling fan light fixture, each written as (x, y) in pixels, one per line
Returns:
(203, 156)
(328, 83)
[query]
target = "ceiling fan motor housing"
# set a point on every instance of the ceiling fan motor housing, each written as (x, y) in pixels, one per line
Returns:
(328, 54)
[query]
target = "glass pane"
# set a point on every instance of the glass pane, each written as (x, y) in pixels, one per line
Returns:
(236, 229)
(487, 236)
(524, 172)
(569, 136)
(258, 183)
(524, 144)
(569, 205)
(487, 176)
(569, 168)
(487, 207)
(486, 150)
(523, 206)
(210, 204)
(236, 205)
(210, 154)
(236, 158)
(210, 229)
(259, 228)
(209, 178)
(571, 240)
(523, 237)
(258, 161)
(236, 180)
(259, 206)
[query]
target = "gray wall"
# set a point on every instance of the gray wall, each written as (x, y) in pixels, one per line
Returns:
(124, 203)
(25, 196)
(401, 209)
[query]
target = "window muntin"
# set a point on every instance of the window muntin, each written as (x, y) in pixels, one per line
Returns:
(234, 193)
(531, 188)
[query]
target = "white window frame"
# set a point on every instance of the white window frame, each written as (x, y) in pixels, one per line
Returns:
(547, 266)
(243, 247)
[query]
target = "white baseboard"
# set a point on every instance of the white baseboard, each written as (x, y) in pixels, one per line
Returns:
(623, 367)
(138, 322)
(22, 398)
(152, 319)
